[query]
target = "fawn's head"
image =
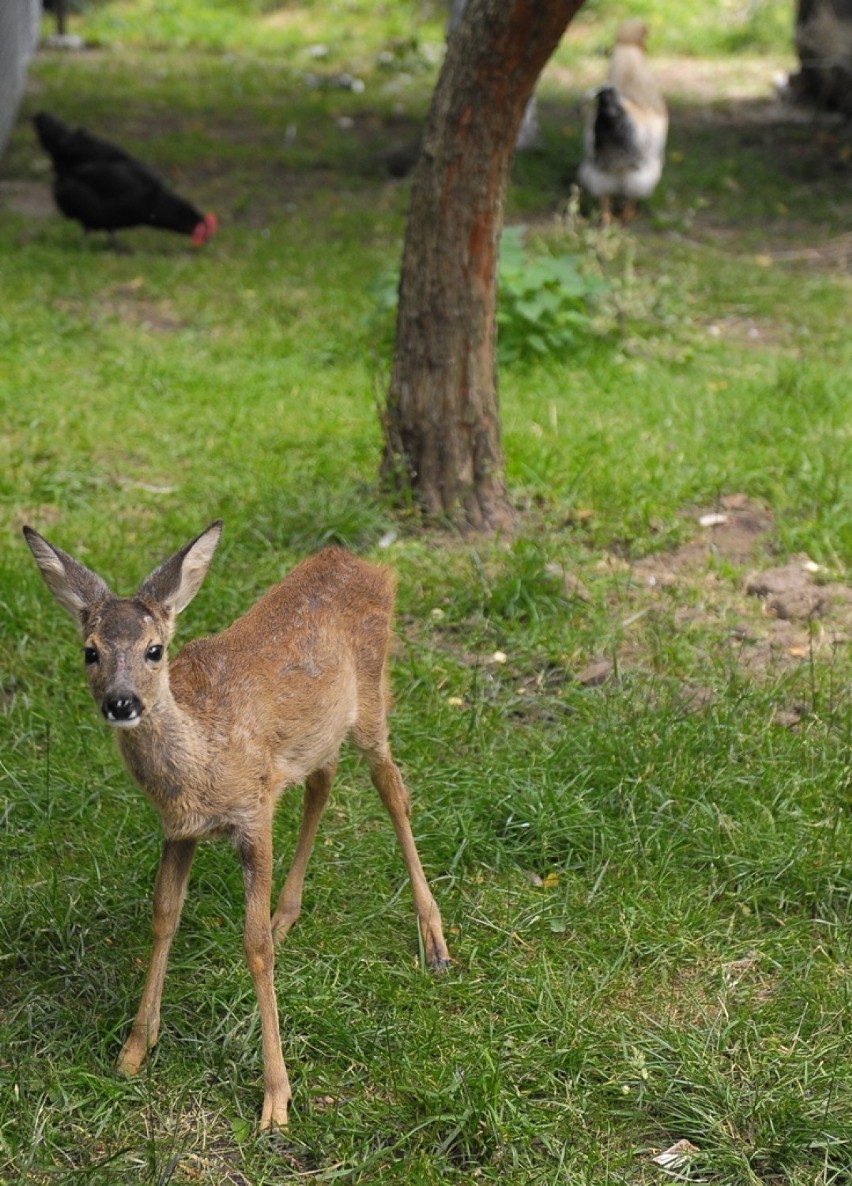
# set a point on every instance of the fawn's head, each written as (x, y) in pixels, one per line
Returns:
(125, 638)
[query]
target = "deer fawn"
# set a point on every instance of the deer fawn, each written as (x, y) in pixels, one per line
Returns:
(214, 738)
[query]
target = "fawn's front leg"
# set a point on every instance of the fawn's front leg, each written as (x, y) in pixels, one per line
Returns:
(256, 856)
(169, 893)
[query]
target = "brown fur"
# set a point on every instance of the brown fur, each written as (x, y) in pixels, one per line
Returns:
(215, 738)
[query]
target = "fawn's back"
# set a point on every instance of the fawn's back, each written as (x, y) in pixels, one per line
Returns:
(272, 697)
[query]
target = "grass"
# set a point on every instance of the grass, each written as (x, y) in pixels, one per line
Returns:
(645, 880)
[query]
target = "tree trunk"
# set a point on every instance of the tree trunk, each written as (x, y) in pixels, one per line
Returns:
(442, 426)
(824, 46)
(19, 28)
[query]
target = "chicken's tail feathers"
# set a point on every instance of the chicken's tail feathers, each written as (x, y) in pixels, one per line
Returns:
(608, 101)
(614, 128)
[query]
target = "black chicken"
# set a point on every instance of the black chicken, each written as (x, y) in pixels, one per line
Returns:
(105, 189)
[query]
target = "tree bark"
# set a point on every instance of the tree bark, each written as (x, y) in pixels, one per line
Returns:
(824, 46)
(442, 424)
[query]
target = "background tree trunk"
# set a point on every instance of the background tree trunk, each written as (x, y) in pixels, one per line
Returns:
(442, 428)
(19, 27)
(824, 46)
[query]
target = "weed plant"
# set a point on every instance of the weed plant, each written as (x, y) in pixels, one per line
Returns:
(631, 795)
(546, 301)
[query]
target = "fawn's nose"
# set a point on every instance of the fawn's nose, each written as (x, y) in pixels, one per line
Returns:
(124, 709)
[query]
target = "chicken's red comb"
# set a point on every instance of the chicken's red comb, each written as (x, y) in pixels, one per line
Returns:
(205, 229)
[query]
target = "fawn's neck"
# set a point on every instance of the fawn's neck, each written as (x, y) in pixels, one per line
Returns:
(165, 752)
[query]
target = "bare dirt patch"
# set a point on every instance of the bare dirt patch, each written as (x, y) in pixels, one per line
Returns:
(717, 605)
(772, 618)
(129, 304)
(31, 199)
(736, 530)
(833, 255)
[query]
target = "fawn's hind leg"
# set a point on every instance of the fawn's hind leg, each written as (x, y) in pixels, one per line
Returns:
(370, 735)
(394, 794)
(317, 787)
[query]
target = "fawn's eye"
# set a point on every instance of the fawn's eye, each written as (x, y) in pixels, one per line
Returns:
(90, 655)
(154, 652)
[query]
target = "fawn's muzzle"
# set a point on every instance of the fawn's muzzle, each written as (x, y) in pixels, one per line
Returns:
(125, 709)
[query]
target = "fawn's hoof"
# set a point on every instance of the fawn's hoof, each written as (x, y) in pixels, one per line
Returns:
(275, 1109)
(281, 924)
(129, 1062)
(436, 952)
(137, 1045)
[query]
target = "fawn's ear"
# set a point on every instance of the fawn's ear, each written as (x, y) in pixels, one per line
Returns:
(174, 584)
(72, 584)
